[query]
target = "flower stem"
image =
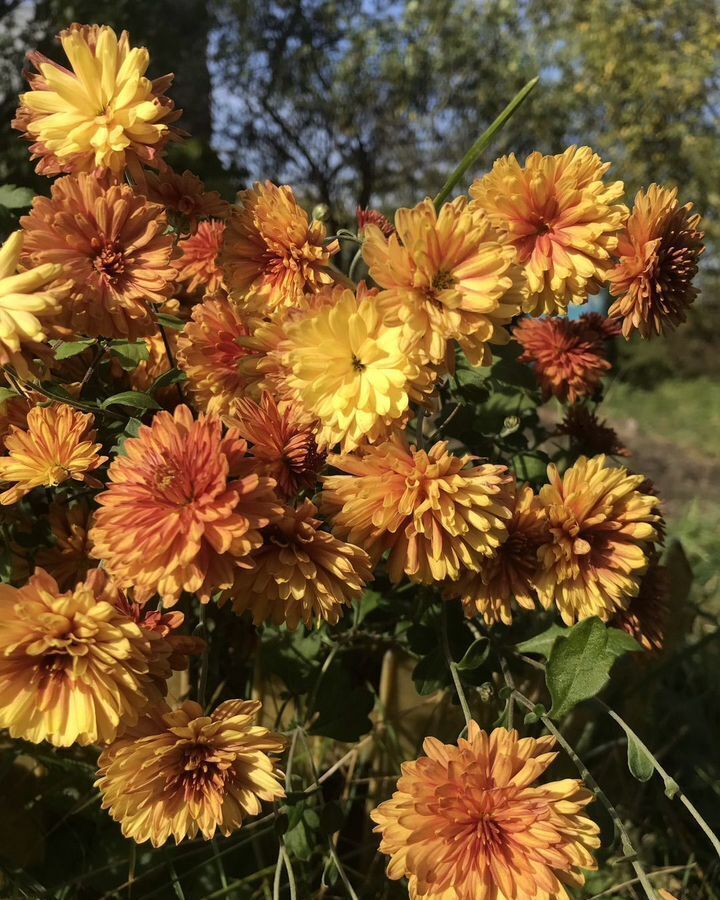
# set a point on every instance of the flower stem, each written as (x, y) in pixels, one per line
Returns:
(452, 665)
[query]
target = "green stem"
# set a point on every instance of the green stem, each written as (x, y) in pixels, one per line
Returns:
(355, 262)
(205, 658)
(452, 665)
(483, 142)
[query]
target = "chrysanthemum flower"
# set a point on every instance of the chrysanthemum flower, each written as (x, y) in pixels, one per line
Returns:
(112, 244)
(569, 360)
(175, 518)
(73, 666)
(14, 409)
(183, 772)
(510, 572)
(591, 434)
(57, 445)
(601, 527)
(352, 372)
(445, 277)
(198, 267)
(185, 198)
(25, 298)
(367, 217)
(68, 560)
(470, 822)
(646, 618)
(273, 253)
(561, 218)
(147, 371)
(164, 624)
(281, 446)
(434, 512)
(659, 253)
(103, 113)
(212, 352)
(301, 573)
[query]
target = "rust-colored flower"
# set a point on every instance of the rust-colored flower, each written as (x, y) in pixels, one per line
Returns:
(176, 515)
(165, 624)
(646, 617)
(179, 773)
(14, 409)
(102, 114)
(469, 821)
(281, 445)
(301, 573)
(659, 253)
(273, 253)
(73, 667)
(561, 218)
(113, 248)
(58, 444)
(445, 278)
(601, 532)
(591, 434)
(185, 198)
(510, 573)
(198, 266)
(367, 217)
(68, 559)
(569, 359)
(435, 512)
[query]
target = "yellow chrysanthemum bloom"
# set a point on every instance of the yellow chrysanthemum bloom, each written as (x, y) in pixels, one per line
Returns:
(183, 772)
(352, 372)
(445, 278)
(23, 302)
(436, 514)
(103, 113)
(74, 667)
(469, 822)
(601, 528)
(58, 444)
(561, 218)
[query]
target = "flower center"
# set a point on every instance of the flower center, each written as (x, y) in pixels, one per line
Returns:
(110, 261)
(489, 833)
(358, 365)
(201, 772)
(443, 281)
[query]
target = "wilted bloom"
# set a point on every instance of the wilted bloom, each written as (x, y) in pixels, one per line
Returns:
(301, 573)
(569, 359)
(281, 446)
(367, 217)
(58, 444)
(73, 667)
(198, 267)
(646, 617)
(103, 113)
(561, 218)
(352, 372)
(14, 409)
(433, 511)
(511, 571)
(601, 528)
(68, 560)
(183, 772)
(25, 298)
(113, 248)
(469, 822)
(176, 517)
(273, 253)
(212, 353)
(659, 253)
(185, 198)
(445, 277)
(591, 434)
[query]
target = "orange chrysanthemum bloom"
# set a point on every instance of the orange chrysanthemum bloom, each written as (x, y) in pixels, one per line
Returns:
(147, 371)
(511, 571)
(561, 218)
(282, 447)
(176, 517)
(469, 822)
(183, 772)
(68, 560)
(445, 278)
(367, 217)
(73, 667)
(103, 113)
(213, 353)
(14, 409)
(112, 244)
(58, 444)
(198, 267)
(185, 198)
(569, 360)
(591, 434)
(646, 618)
(301, 573)
(273, 253)
(659, 253)
(601, 528)
(434, 512)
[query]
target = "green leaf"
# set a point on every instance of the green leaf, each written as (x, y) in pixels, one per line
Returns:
(301, 837)
(14, 197)
(531, 467)
(131, 430)
(620, 642)
(170, 321)
(640, 762)
(173, 376)
(343, 708)
(543, 643)
(129, 353)
(431, 673)
(136, 399)
(66, 349)
(475, 655)
(7, 394)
